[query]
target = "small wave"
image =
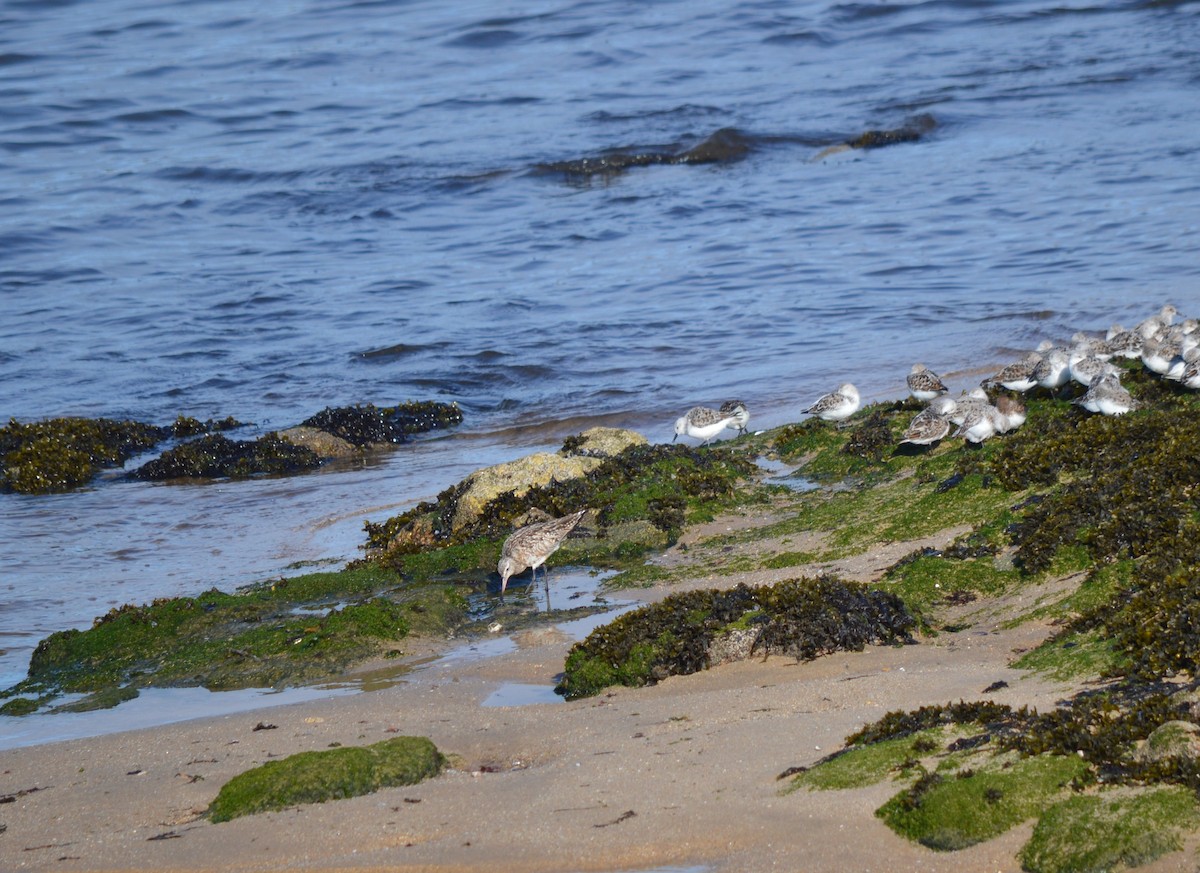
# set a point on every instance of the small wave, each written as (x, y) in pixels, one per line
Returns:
(152, 115)
(8, 59)
(400, 350)
(485, 39)
(226, 175)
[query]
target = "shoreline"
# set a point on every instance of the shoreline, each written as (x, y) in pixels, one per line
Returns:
(532, 787)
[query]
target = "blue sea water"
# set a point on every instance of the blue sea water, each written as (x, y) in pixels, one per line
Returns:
(259, 210)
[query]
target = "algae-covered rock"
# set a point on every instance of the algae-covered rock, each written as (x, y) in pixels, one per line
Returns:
(951, 812)
(516, 477)
(692, 630)
(332, 774)
(64, 453)
(19, 706)
(217, 456)
(106, 698)
(369, 425)
(602, 442)
(259, 637)
(638, 499)
(1175, 739)
(1110, 831)
(322, 443)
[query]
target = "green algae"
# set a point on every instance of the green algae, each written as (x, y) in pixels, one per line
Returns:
(1107, 831)
(949, 812)
(1073, 656)
(804, 618)
(860, 766)
(19, 706)
(316, 777)
(106, 698)
(253, 638)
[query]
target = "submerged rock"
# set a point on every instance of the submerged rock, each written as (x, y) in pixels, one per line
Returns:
(694, 630)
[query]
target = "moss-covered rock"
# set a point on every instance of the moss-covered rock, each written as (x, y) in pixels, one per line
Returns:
(19, 706)
(949, 812)
(804, 618)
(332, 774)
(289, 632)
(106, 698)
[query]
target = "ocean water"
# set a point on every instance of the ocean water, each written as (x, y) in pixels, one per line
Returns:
(259, 210)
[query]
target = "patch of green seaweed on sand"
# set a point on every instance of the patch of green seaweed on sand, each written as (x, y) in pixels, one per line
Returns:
(860, 766)
(1107, 831)
(953, 811)
(331, 774)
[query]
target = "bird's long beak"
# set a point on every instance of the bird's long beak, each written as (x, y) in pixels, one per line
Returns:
(674, 437)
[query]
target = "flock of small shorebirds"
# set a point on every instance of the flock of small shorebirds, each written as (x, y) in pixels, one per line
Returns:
(1166, 347)
(1169, 348)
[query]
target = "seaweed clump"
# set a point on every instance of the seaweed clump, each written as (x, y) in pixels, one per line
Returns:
(683, 633)
(371, 425)
(64, 453)
(330, 774)
(217, 456)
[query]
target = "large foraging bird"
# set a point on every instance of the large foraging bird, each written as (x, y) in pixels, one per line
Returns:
(531, 545)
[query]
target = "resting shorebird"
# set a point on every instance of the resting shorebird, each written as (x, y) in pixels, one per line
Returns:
(1018, 376)
(930, 424)
(1107, 396)
(923, 383)
(736, 410)
(531, 545)
(702, 423)
(837, 405)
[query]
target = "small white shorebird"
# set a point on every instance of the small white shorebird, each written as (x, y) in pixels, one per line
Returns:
(1086, 366)
(1018, 376)
(1107, 396)
(702, 423)
(988, 420)
(930, 424)
(531, 545)
(1054, 370)
(923, 383)
(837, 405)
(973, 401)
(738, 412)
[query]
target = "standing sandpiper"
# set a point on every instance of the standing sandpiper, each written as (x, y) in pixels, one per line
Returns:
(531, 545)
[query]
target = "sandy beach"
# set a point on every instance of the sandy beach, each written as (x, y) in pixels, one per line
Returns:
(678, 776)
